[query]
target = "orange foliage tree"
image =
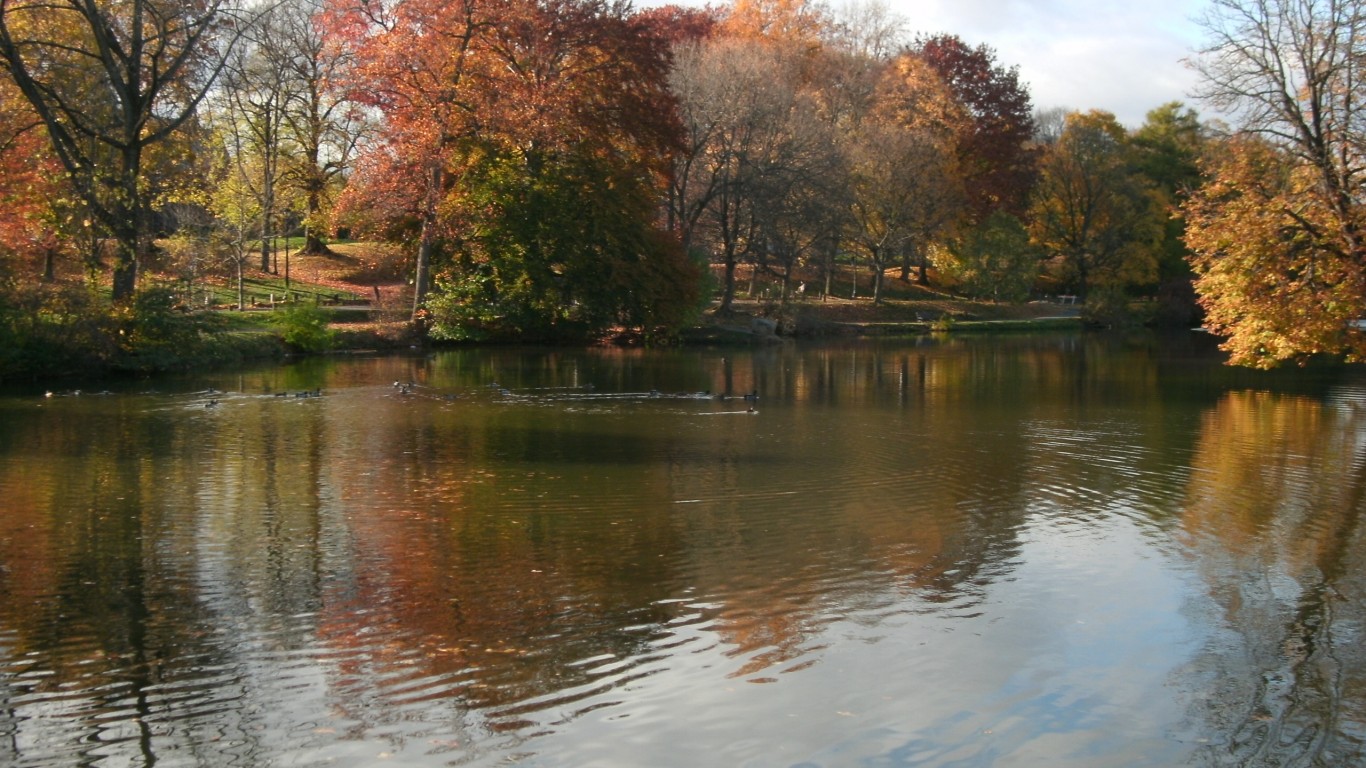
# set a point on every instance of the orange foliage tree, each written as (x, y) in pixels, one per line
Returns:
(1277, 229)
(492, 111)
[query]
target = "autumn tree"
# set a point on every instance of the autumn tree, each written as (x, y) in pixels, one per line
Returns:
(110, 82)
(322, 121)
(905, 190)
(868, 29)
(1166, 150)
(1271, 272)
(800, 193)
(426, 67)
(254, 91)
(38, 216)
(1277, 227)
(793, 23)
(994, 148)
(736, 98)
(235, 202)
(1092, 213)
(917, 102)
(495, 109)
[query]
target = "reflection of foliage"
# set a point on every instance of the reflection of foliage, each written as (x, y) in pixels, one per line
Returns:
(1280, 501)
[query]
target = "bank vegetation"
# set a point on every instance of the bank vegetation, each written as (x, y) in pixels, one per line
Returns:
(578, 170)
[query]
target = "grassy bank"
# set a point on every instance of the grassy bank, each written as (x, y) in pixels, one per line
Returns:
(357, 298)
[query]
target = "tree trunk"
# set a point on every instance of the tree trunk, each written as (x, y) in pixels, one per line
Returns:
(313, 244)
(125, 278)
(424, 250)
(265, 234)
(728, 284)
(922, 260)
(829, 271)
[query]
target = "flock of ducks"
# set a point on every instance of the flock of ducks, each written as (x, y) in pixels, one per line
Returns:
(411, 388)
(587, 391)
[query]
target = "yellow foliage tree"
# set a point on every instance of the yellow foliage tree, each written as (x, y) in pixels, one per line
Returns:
(1276, 274)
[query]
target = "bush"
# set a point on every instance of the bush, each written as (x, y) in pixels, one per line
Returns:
(304, 327)
(154, 333)
(1107, 307)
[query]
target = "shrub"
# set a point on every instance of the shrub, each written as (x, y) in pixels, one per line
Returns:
(304, 327)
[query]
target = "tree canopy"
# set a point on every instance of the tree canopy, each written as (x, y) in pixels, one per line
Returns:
(558, 169)
(1277, 225)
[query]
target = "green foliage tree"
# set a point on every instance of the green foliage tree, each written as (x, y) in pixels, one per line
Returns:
(995, 260)
(305, 327)
(560, 248)
(1166, 150)
(1092, 213)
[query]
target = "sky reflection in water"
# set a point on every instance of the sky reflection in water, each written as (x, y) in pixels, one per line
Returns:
(1060, 551)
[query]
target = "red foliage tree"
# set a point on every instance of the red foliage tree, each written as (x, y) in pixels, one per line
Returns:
(678, 24)
(995, 159)
(512, 85)
(32, 189)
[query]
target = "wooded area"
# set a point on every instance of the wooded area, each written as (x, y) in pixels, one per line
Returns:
(555, 169)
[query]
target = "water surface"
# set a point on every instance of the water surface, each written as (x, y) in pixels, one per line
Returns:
(1026, 551)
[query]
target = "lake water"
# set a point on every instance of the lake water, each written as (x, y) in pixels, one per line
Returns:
(1021, 551)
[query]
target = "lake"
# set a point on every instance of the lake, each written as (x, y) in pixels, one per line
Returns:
(1013, 551)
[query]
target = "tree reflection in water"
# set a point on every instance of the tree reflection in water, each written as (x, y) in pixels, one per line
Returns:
(1278, 486)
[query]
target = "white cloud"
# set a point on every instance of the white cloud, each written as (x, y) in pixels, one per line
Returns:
(1123, 57)
(1118, 55)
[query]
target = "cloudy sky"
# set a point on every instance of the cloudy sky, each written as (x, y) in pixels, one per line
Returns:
(1117, 55)
(1125, 57)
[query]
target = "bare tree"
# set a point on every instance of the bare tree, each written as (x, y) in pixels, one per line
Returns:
(736, 99)
(255, 89)
(109, 81)
(868, 28)
(325, 125)
(1292, 72)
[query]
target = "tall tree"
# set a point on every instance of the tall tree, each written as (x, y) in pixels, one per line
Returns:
(110, 81)
(915, 100)
(484, 98)
(1166, 150)
(902, 169)
(426, 66)
(994, 150)
(1271, 271)
(1092, 212)
(255, 88)
(324, 123)
(736, 100)
(1291, 72)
